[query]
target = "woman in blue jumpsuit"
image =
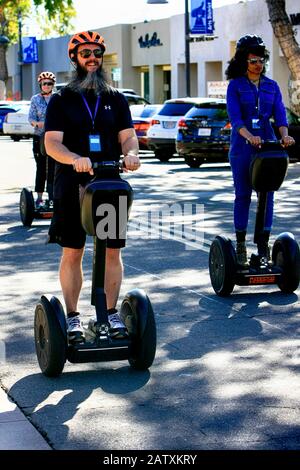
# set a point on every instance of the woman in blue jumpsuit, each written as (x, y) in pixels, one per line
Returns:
(252, 99)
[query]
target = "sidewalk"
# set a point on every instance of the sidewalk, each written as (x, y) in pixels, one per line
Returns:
(16, 432)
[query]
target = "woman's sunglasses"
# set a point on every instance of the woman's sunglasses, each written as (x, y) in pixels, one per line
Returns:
(86, 53)
(47, 84)
(256, 61)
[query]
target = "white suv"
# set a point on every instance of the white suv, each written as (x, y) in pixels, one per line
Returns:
(163, 130)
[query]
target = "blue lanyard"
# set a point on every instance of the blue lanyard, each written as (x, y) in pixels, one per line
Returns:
(89, 110)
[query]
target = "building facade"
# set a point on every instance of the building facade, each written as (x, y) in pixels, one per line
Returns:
(150, 56)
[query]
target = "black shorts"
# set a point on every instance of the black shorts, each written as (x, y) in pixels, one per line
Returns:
(66, 228)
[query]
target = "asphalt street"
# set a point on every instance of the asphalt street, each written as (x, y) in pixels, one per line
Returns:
(226, 372)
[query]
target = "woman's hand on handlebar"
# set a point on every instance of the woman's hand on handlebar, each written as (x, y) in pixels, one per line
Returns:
(255, 140)
(83, 165)
(287, 140)
(131, 162)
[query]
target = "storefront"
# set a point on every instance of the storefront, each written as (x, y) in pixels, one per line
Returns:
(150, 56)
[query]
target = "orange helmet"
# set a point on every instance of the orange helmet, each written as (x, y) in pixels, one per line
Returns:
(47, 75)
(86, 37)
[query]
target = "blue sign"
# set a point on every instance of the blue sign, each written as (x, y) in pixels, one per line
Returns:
(30, 50)
(201, 17)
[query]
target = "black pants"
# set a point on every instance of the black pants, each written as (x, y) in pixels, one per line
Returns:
(44, 169)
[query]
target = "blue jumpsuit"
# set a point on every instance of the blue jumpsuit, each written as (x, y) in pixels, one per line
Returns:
(246, 102)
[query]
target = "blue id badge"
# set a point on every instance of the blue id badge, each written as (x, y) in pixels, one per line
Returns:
(255, 124)
(95, 143)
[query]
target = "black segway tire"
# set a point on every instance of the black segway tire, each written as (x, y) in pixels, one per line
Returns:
(26, 207)
(50, 340)
(222, 266)
(138, 316)
(286, 255)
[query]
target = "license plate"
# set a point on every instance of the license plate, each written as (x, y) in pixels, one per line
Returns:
(17, 127)
(169, 124)
(204, 131)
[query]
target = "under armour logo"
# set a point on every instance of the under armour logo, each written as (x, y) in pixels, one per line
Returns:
(107, 107)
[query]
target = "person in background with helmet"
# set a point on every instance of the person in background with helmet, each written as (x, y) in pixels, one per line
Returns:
(252, 100)
(86, 121)
(37, 113)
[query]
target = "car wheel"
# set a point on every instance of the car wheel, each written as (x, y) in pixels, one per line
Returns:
(15, 138)
(163, 156)
(194, 162)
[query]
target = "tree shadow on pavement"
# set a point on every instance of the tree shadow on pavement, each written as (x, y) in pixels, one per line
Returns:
(54, 402)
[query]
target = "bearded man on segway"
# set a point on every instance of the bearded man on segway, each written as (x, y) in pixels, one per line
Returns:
(87, 117)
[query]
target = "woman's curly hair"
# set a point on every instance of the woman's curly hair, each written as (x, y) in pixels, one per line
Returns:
(238, 65)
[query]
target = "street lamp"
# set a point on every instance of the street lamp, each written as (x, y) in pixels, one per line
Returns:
(20, 52)
(187, 42)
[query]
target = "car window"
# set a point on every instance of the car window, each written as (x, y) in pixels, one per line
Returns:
(132, 99)
(217, 112)
(5, 109)
(175, 109)
(148, 111)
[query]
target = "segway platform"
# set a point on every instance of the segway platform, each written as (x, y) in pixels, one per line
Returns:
(51, 340)
(28, 211)
(267, 172)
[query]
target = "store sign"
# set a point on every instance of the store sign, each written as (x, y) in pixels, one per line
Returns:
(217, 89)
(149, 42)
(30, 50)
(201, 17)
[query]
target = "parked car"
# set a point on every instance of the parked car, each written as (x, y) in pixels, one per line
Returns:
(129, 94)
(7, 107)
(141, 118)
(135, 99)
(204, 133)
(163, 128)
(16, 124)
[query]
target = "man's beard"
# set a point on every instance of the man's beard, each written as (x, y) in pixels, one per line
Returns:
(85, 81)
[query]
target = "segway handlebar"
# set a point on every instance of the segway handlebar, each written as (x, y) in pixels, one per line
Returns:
(269, 143)
(108, 165)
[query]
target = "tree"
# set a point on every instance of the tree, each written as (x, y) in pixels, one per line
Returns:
(283, 31)
(58, 12)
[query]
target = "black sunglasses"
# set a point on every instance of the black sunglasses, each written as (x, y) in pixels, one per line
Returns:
(256, 61)
(86, 53)
(48, 83)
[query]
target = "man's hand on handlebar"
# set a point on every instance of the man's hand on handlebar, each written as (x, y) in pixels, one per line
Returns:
(83, 165)
(131, 162)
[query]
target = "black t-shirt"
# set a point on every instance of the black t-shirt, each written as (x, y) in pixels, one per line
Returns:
(67, 113)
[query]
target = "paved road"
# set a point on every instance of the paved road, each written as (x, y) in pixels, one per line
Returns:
(226, 374)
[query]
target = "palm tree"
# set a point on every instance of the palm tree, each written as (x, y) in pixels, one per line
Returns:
(284, 32)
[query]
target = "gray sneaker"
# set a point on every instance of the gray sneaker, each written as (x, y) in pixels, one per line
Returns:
(241, 253)
(74, 329)
(117, 328)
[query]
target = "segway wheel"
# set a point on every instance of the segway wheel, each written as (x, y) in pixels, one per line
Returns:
(138, 316)
(286, 255)
(26, 207)
(222, 266)
(50, 342)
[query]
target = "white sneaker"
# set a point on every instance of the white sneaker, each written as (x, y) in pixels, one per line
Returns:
(74, 329)
(117, 328)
